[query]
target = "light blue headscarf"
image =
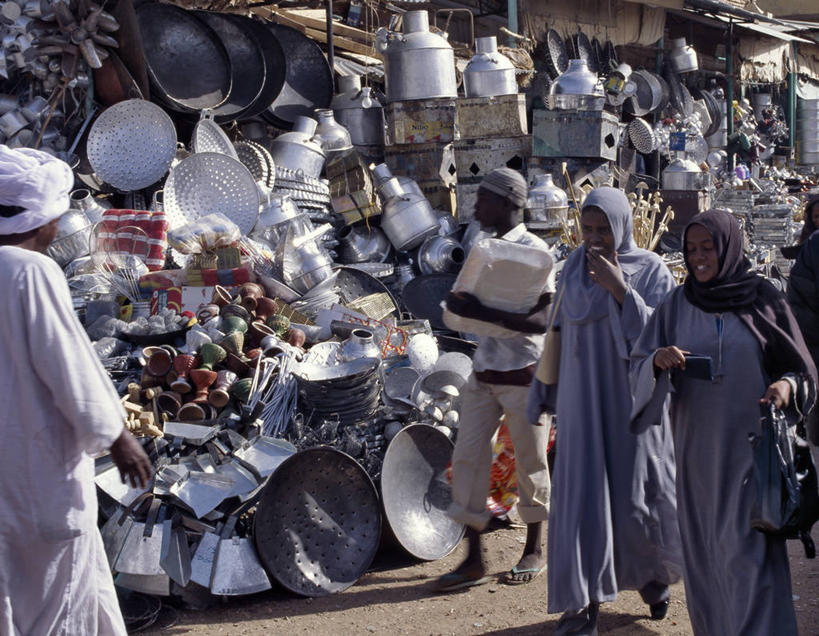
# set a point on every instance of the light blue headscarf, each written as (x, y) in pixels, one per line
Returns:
(584, 300)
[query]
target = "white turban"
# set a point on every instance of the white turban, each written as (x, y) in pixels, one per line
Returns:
(507, 183)
(35, 181)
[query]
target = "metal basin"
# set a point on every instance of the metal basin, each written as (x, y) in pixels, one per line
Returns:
(416, 493)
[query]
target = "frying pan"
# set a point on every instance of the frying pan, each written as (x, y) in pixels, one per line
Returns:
(584, 50)
(557, 58)
(113, 82)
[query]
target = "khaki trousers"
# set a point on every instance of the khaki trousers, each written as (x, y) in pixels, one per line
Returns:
(482, 406)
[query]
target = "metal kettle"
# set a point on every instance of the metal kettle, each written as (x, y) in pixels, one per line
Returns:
(358, 110)
(407, 218)
(547, 203)
(418, 63)
(489, 72)
(299, 150)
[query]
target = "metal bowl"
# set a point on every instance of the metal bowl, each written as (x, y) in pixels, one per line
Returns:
(416, 492)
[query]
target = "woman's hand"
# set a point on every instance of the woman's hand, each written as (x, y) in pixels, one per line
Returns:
(667, 358)
(778, 394)
(607, 274)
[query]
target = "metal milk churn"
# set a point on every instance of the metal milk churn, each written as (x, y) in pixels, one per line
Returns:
(547, 203)
(298, 150)
(359, 112)
(407, 218)
(489, 72)
(418, 64)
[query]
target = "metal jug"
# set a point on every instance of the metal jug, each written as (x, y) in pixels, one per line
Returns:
(333, 137)
(489, 72)
(406, 218)
(547, 203)
(418, 64)
(682, 58)
(299, 150)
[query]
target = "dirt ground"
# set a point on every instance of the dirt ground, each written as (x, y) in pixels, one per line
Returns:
(395, 598)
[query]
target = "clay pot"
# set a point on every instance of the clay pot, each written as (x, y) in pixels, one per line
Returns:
(233, 324)
(241, 389)
(237, 365)
(253, 357)
(211, 354)
(221, 296)
(296, 337)
(158, 360)
(233, 343)
(265, 307)
(202, 379)
(148, 380)
(191, 412)
(278, 323)
(250, 293)
(235, 310)
(207, 313)
(182, 365)
(258, 331)
(219, 395)
(169, 402)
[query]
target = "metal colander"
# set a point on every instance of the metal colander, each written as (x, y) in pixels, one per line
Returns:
(253, 159)
(132, 144)
(641, 135)
(209, 137)
(209, 182)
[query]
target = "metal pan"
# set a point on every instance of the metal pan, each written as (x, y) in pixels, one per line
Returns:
(665, 91)
(354, 283)
(423, 295)
(648, 95)
(557, 59)
(714, 111)
(274, 63)
(610, 54)
(131, 50)
(246, 62)
(308, 78)
(113, 83)
(311, 540)
(188, 66)
(583, 48)
(599, 56)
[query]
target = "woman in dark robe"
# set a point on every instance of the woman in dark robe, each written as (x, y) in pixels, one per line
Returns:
(810, 225)
(737, 579)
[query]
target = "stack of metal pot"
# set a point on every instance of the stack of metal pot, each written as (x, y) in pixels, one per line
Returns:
(407, 218)
(418, 63)
(489, 73)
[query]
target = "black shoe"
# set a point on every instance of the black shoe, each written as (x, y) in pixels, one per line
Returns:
(659, 610)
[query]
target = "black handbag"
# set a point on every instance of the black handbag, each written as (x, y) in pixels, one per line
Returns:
(787, 497)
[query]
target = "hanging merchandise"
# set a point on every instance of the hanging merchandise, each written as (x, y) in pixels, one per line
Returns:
(358, 110)
(682, 58)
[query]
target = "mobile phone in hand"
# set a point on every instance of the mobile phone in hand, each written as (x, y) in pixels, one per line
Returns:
(699, 367)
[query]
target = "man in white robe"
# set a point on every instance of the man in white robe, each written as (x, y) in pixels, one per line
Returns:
(59, 406)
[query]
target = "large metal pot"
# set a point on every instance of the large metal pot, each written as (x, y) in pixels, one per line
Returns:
(489, 72)
(298, 150)
(418, 64)
(684, 174)
(333, 137)
(577, 89)
(440, 254)
(359, 112)
(547, 203)
(73, 238)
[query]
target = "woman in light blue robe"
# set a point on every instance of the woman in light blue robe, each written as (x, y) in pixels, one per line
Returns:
(612, 521)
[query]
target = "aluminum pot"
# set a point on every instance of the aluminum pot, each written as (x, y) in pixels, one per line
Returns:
(682, 58)
(73, 238)
(82, 200)
(359, 244)
(299, 150)
(418, 64)
(333, 137)
(547, 203)
(440, 255)
(359, 112)
(406, 217)
(489, 72)
(683, 174)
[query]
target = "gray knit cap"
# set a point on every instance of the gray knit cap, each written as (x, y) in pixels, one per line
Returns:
(507, 183)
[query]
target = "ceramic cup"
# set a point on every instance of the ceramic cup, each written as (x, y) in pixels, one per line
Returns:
(219, 395)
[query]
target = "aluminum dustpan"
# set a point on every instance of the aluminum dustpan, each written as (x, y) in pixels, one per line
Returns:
(110, 482)
(236, 568)
(264, 454)
(202, 492)
(158, 585)
(114, 533)
(202, 562)
(175, 558)
(140, 554)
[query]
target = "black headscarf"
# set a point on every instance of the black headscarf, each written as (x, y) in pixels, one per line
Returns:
(760, 305)
(809, 227)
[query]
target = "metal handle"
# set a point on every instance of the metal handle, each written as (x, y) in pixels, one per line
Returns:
(449, 12)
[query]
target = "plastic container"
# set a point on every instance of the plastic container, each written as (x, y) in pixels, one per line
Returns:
(502, 275)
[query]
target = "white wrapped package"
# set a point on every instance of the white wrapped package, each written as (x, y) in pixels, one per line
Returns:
(502, 275)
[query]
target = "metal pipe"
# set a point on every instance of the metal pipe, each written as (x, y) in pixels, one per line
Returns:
(726, 9)
(729, 88)
(512, 21)
(331, 56)
(792, 98)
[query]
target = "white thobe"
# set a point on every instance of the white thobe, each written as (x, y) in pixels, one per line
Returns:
(58, 405)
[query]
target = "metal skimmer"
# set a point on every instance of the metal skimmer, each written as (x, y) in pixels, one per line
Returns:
(209, 137)
(132, 144)
(210, 182)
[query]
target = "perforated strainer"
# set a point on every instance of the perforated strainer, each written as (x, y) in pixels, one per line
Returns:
(209, 182)
(641, 135)
(254, 160)
(132, 144)
(209, 137)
